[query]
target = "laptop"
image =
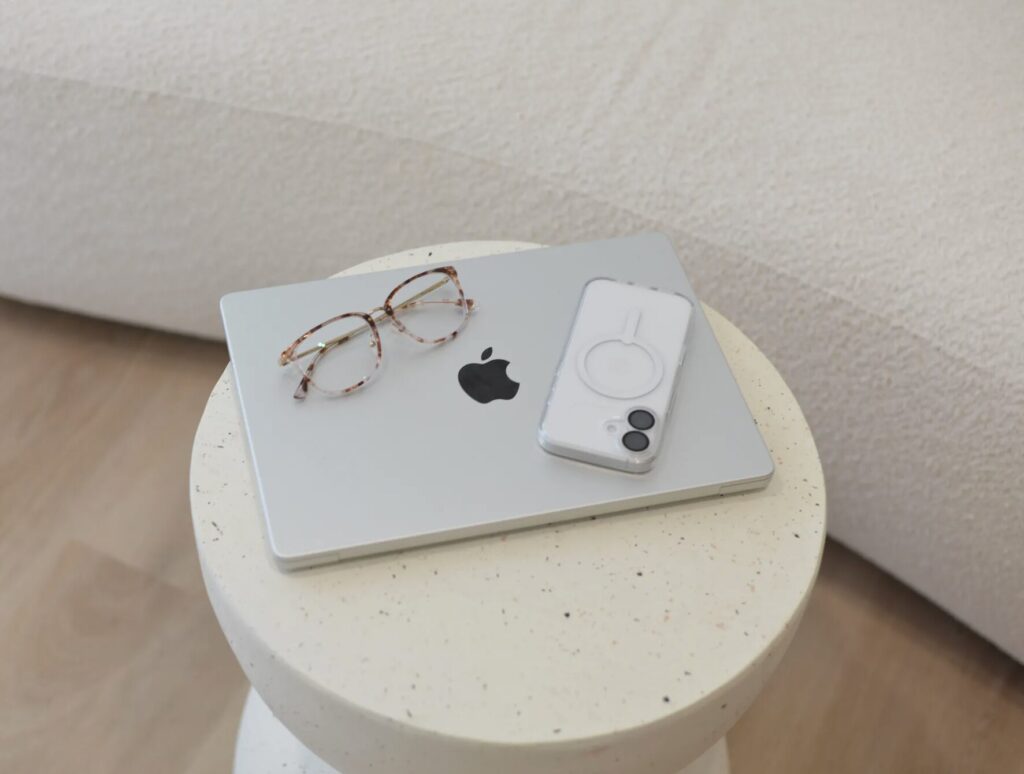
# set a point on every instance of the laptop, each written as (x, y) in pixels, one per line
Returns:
(413, 458)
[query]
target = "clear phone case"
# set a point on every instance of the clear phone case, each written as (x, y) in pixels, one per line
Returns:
(612, 393)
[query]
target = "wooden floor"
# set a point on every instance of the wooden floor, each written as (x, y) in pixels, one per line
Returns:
(111, 660)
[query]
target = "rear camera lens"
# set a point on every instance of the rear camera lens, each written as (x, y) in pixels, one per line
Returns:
(636, 441)
(641, 419)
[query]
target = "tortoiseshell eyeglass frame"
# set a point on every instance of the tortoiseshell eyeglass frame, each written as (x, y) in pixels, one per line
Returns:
(292, 354)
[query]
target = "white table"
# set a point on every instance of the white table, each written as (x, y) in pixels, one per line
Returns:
(623, 644)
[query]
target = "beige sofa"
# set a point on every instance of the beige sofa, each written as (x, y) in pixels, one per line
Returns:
(846, 181)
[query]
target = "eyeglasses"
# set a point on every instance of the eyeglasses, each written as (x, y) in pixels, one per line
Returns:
(429, 307)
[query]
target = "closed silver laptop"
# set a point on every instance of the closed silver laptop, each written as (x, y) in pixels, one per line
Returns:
(414, 457)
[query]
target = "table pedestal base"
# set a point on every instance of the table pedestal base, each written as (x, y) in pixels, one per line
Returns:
(265, 746)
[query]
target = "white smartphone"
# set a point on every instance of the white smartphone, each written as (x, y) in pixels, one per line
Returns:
(612, 394)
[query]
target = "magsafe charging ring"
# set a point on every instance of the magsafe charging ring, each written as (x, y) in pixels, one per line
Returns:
(620, 366)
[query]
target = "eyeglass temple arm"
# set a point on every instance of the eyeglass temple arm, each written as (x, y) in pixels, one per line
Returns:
(307, 375)
(331, 343)
(326, 346)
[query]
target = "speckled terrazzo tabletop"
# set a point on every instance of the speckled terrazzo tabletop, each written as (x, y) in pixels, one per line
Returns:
(567, 635)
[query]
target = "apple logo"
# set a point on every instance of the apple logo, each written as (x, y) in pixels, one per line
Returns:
(484, 382)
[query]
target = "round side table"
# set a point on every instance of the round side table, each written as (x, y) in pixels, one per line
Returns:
(626, 643)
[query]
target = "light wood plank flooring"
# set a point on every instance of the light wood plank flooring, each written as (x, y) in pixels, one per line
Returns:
(111, 660)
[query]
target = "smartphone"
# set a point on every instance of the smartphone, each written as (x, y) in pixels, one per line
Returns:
(612, 393)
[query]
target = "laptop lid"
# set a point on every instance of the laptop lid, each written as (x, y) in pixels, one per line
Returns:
(411, 458)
